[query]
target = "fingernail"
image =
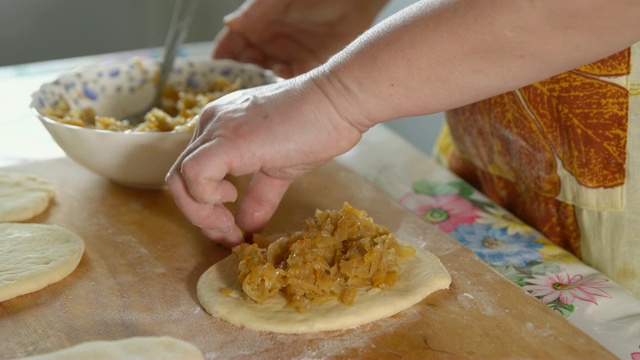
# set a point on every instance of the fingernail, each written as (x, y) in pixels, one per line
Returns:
(229, 19)
(226, 237)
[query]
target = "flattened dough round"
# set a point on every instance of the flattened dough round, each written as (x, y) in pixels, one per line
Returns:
(420, 276)
(23, 196)
(151, 347)
(33, 256)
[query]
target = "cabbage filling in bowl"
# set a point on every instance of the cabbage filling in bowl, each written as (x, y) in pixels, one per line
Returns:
(88, 111)
(177, 110)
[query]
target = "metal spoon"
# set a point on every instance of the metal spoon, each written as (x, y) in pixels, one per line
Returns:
(178, 28)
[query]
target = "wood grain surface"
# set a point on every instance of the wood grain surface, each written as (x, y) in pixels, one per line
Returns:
(142, 261)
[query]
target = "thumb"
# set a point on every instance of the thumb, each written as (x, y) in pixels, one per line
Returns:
(233, 20)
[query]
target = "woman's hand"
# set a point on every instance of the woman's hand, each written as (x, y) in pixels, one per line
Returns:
(275, 132)
(291, 37)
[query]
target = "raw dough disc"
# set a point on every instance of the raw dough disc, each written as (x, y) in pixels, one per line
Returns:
(33, 256)
(420, 276)
(152, 348)
(23, 196)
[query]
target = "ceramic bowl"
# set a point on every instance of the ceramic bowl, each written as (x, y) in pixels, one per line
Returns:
(118, 89)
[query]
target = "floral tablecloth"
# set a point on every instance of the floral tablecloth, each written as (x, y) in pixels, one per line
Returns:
(585, 297)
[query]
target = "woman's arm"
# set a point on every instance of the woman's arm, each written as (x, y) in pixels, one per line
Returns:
(438, 55)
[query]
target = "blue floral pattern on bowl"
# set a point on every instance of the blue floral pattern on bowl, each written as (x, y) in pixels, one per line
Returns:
(121, 88)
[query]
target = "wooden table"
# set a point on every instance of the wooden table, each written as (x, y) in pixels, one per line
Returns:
(142, 261)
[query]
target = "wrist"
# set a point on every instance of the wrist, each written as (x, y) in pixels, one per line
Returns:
(343, 97)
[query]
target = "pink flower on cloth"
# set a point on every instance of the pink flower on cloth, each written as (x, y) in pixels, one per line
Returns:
(567, 288)
(444, 211)
(635, 355)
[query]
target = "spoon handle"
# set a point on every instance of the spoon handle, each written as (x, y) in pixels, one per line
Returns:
(180, 20)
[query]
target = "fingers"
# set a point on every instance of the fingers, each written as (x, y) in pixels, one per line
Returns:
(240, 40)
(199, 188)
(203, 170)
(234, 45)
(283, 70)
(254, 14)
(229, 238)
(253, 56)
(215, 220)
(262, 197)
(228, 45)
(201, 181)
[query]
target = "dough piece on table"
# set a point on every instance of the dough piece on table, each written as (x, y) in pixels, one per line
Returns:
(421, 275)
(23, 196)
(152, 348)
(33, 256)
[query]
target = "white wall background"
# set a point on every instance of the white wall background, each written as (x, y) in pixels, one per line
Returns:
(37, 30)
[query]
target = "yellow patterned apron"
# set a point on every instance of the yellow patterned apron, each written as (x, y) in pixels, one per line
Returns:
(563, 154)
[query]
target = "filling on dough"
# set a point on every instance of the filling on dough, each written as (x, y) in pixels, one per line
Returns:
(337, 253)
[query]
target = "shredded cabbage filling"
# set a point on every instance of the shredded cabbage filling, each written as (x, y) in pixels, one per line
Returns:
(177, 112)
(337, 253)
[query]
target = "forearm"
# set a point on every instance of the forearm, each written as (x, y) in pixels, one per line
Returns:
(438, 55)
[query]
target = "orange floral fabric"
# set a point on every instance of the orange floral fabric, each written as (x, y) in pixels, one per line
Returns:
(512, 145)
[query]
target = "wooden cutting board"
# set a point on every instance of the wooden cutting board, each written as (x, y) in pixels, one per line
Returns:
(142, 261)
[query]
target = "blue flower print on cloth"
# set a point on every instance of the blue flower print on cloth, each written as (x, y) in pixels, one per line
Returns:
(496, 246)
